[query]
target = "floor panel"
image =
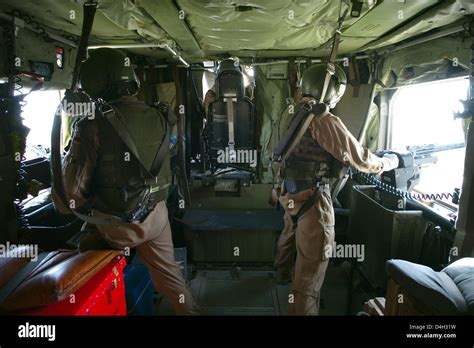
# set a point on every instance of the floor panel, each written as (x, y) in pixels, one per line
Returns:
(249, 292)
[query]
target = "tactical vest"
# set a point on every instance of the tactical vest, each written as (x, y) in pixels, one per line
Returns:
(308, 161)
(119, 186)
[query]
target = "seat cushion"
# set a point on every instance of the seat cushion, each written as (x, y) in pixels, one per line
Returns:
(462, 274)
(60, 274)
(9, 266)
(434, 289)
(244, 124)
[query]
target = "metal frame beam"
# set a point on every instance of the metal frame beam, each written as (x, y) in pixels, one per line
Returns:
(146, 45)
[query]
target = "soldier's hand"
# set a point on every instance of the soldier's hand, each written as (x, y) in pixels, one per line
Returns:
(390, 161)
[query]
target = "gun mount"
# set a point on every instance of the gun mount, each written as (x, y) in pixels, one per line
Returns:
(407, 175)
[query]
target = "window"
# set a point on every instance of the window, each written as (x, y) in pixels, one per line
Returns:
(208, 81)
(38, 115)
(423, 115)
(249, 75)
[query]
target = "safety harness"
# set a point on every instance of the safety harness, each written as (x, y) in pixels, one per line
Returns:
(56, 165)
(150, 179)
(299, 125)
(110, 114)
(307, 204)
(89, 9)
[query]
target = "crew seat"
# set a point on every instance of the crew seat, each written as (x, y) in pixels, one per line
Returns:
(231, 120)
(415, 289)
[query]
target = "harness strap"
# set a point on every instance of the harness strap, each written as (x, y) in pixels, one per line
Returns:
(111, 116)
(307, 205)
(230, 120)
(301, 121)
(107, 219)
(19, 277)
(56, 164)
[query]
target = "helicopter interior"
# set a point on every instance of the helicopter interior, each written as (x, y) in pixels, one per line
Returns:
(408, 64)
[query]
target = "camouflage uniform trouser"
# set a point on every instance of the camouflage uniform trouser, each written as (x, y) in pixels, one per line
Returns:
(152, 240)
(313, 234)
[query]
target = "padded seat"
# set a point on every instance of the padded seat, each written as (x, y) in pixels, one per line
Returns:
(57, 276)
(243, 125)
(231, 120)
(462, 274)
(450, 291)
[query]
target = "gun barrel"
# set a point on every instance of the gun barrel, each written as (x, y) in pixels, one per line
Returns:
(429, 149)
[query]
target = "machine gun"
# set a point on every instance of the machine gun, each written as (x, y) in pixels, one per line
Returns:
(407, 175)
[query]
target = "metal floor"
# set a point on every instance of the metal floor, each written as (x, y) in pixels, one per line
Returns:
(249, 292)
(235, 292)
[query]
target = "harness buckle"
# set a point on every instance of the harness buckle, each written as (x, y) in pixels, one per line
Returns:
(105, 109)
(331, 68)
(308, 106)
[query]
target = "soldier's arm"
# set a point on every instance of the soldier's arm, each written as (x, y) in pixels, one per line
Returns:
(334, 137)
(80, 163)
